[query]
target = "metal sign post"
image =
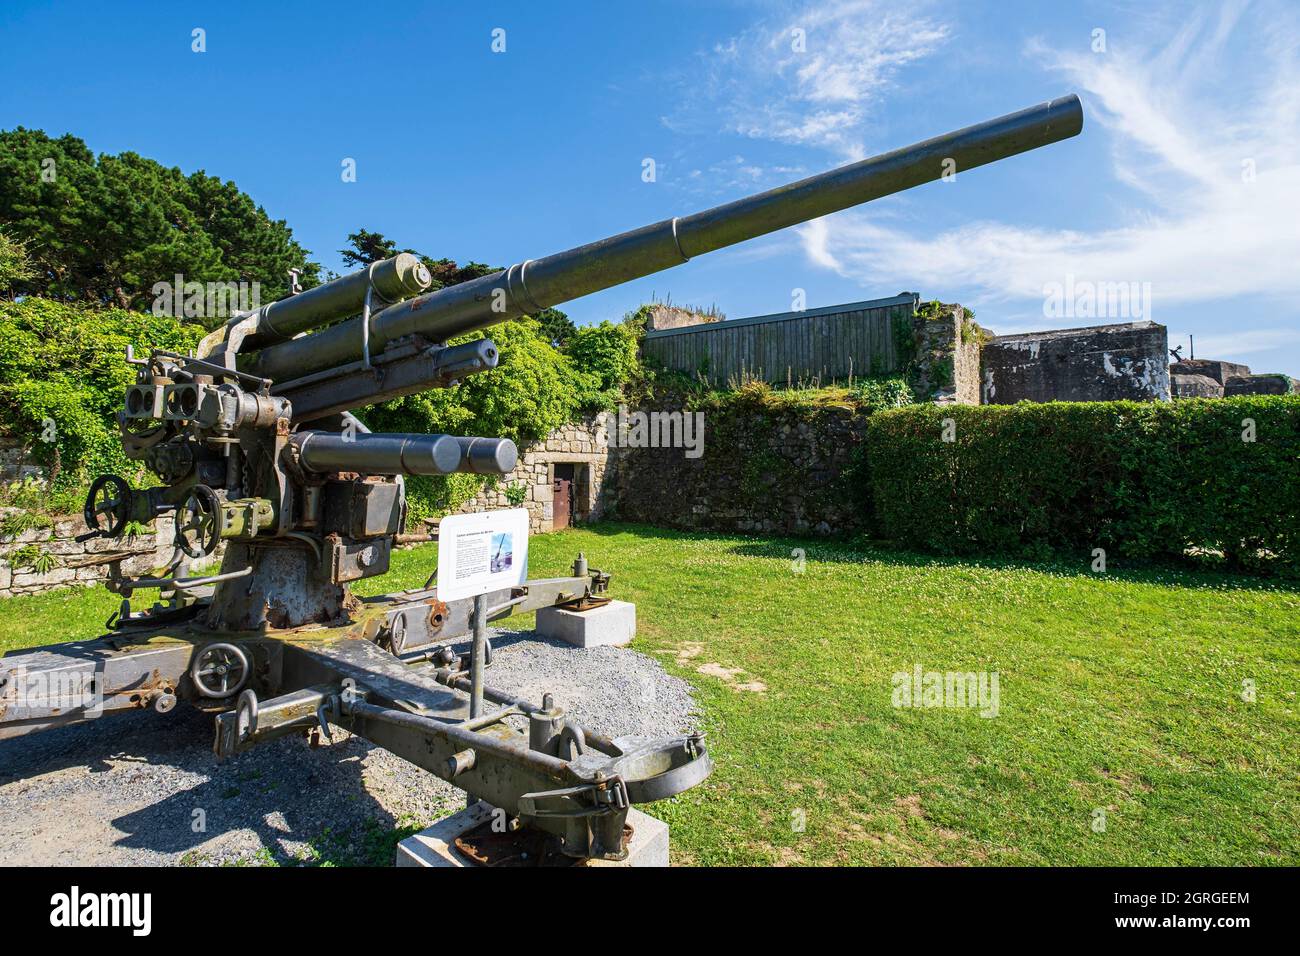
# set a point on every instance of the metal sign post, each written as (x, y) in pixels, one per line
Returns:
(476, 667)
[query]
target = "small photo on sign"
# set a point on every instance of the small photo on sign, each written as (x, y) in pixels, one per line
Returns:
(502, 552)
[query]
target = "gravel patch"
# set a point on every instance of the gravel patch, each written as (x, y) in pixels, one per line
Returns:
(145, 788)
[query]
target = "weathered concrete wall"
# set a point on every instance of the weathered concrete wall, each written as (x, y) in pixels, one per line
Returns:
(1211, 368)
(59, 540)
(584, 444)
(1267, 384)
(967, 358)
(673, 317)
(1096, 364)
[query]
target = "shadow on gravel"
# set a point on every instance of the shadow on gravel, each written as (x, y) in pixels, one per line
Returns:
(289, 803)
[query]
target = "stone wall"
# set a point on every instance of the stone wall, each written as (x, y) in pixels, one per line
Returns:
(74, 557)
(947, 360)
(586, 446)
(16, 464)
(1097, 364)
(764, 468)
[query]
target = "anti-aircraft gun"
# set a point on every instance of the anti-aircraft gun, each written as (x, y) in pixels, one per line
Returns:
(254, 442)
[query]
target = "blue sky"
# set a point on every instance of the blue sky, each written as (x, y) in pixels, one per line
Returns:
(1185, 178)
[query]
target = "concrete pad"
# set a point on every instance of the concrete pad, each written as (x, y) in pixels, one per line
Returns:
(648, 846)
(435, 847)
(610, 624)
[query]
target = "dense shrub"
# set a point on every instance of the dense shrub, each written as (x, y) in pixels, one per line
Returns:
(1141, 480)
(607, 353)
(877, 394)
(62, 378)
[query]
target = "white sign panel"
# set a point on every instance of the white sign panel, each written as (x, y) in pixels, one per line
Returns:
(482, 552)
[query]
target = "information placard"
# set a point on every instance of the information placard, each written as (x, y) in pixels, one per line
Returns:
(481, 552)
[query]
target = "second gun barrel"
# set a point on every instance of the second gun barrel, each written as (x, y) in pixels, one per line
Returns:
(387, 453)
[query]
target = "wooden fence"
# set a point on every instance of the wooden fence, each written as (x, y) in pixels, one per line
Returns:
(817, 346)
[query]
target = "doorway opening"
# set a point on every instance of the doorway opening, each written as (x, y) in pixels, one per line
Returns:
(570, 501)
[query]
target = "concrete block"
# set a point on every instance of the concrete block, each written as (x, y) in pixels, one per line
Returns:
(648, 846)
(1194, 386)
(1261, 385)
(435, 846)
(1211, 368)
(610, 624)
(1099, 363)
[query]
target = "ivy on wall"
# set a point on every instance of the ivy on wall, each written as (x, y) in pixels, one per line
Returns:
(62, 378)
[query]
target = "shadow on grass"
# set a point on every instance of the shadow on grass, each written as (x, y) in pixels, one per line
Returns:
(861, 550)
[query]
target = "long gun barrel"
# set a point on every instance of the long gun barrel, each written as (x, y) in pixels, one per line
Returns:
(537, 283)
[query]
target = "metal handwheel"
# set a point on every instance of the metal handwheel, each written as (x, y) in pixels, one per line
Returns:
(197, 527)
(220, 670)
(109, 498)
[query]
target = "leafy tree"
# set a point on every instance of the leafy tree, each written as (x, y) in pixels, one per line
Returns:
(607, 354)
(556, 326)
(105, 230)
(533, 391)
(15, 263)
(367, 247)
(446, 272)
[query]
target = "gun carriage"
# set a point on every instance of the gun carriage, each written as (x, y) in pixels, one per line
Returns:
(255, 445)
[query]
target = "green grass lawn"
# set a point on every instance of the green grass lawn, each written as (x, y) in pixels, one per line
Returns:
(1120, 693)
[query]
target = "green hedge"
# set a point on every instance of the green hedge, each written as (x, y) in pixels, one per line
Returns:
(1141, 480)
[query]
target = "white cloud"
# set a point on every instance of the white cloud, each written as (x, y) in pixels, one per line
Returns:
(1187, 121)
(821, 95)
(1247, 342)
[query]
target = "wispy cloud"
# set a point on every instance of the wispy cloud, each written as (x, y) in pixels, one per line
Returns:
(1245, 342)
(812, 78)
(1207, 141)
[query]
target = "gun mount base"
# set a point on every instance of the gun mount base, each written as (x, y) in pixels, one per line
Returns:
(386, 672)
(474, 837)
